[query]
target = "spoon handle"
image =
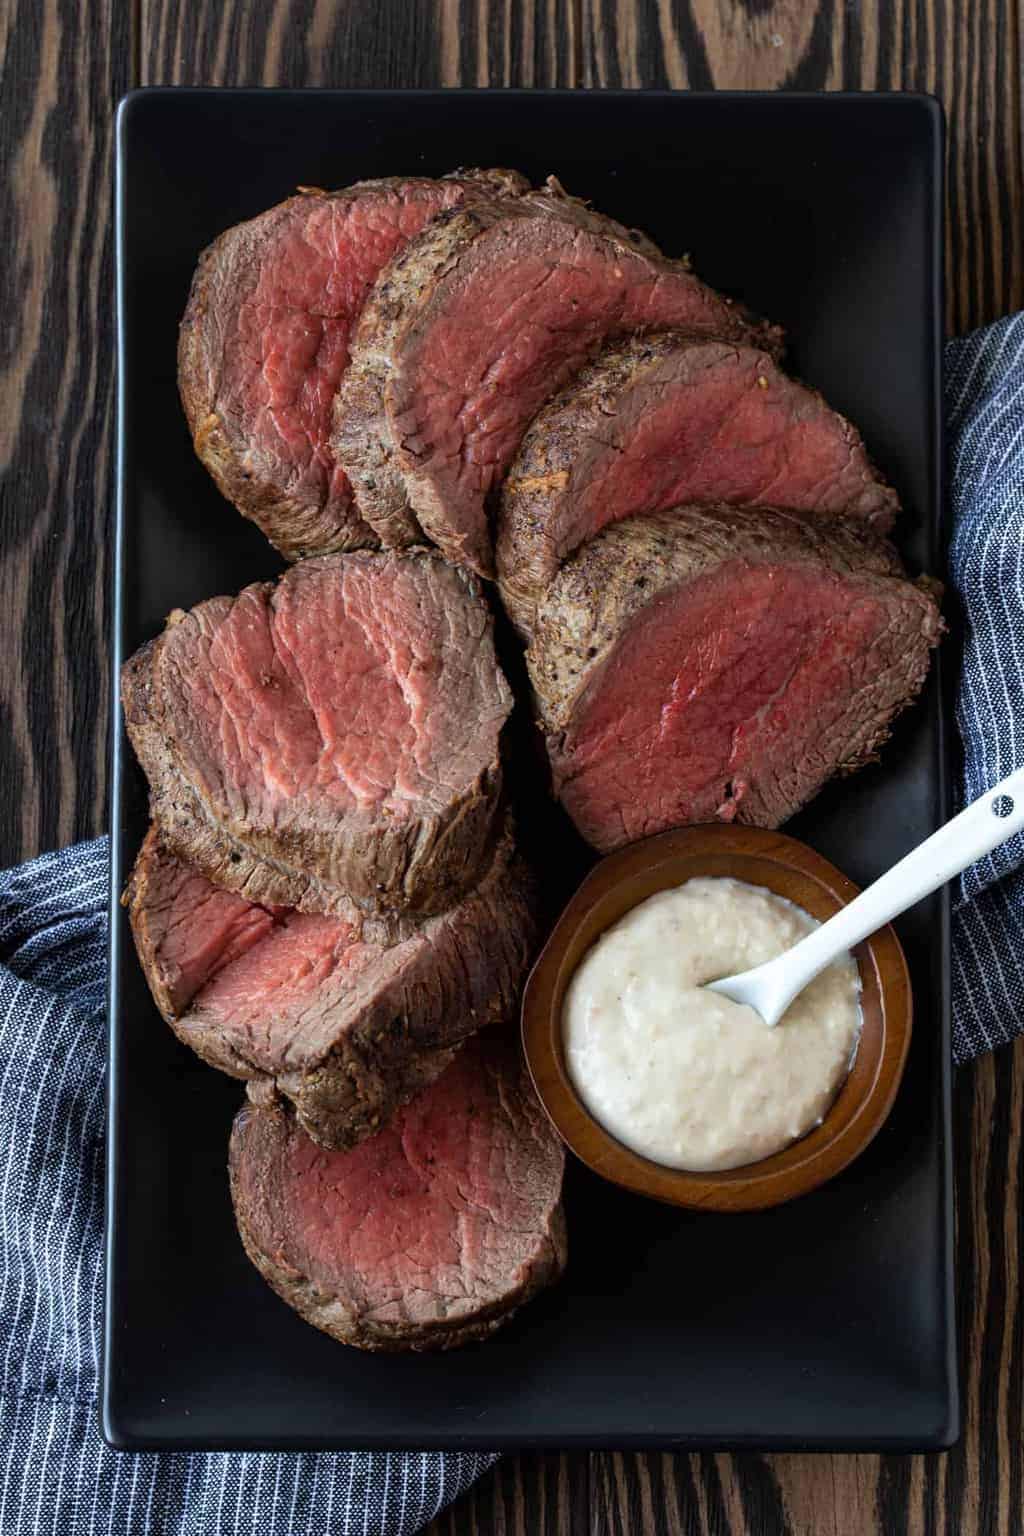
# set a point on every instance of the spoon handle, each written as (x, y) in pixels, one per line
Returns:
(988, 821)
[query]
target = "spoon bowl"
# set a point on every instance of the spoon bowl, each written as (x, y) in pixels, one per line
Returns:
(790, 869)
(988, 821)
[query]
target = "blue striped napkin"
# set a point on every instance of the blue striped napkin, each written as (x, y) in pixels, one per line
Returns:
(985, 442)
(56, 1475)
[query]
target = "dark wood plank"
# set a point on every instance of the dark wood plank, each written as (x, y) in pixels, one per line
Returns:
(63, 66)
(524, 1496)
(391, 43)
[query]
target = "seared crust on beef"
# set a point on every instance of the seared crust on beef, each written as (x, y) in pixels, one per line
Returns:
(618, 575)
(304, 849)
(277, 474)
(186, 830)
(373, 1030)
(591, 652)
(185, 928)
(421, 452)
(663, 420)
(356, 1095)
(480, 1211)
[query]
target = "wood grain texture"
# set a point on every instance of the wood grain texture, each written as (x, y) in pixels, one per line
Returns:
(63, 65)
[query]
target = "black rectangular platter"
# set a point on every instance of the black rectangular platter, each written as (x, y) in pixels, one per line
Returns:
(826, 1324)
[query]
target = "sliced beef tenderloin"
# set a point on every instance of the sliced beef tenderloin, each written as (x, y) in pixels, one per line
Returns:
(342, 1019)
(428, 1235)
(331, 738)
(663, 421)
(265, 338)
(471, 328)
(186, 929)
(711, 663)
(185, 827)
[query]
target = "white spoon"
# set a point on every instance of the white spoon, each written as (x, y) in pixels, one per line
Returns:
(995, 816)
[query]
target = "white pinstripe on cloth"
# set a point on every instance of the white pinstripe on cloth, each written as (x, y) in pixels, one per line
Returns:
(985, 437)
(56, 1476)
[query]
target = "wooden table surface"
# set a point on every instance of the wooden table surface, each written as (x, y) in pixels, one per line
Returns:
(64, 66)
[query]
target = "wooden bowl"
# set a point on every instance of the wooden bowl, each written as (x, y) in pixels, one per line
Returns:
(790, 869)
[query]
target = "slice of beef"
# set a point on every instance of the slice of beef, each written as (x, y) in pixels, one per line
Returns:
(333, 737)
(664, 421)
(186, 929)
(427, 1236)
(264, 342)
(470, 329)
(345, 1021)
(712, 663)
(185, 827)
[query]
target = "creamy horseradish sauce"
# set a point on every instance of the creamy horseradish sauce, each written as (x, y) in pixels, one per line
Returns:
(688, 1078)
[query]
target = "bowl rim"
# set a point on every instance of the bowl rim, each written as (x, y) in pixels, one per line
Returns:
(806, 1163)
